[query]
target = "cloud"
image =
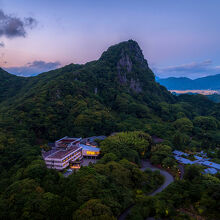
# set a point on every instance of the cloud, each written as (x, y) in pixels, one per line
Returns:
(11, 26)
(2, 44)
(192, 70)
(33, 68)
(192, 67)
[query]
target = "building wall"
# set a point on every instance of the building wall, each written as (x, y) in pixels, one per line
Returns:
(60, 164)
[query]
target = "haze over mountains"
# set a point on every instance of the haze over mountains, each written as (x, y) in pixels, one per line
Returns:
(183, 83)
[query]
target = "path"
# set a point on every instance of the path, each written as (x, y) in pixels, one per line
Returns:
(167, 180)
(181, 167)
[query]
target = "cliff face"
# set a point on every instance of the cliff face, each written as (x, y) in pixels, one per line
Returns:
(131, 67)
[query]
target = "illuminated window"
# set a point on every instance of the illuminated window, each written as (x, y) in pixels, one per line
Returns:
(92, 153)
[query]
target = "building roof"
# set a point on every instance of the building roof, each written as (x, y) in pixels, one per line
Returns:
(65, 141)
(97, 137)
(92, 139)
(199, 158)
(46, 154)
(211, 164)
(183, 160)
(210, 171)
(63, 153)
(86, 147)
(203, 153)
(180, 153)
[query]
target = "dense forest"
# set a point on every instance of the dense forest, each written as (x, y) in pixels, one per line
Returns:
(115, 94)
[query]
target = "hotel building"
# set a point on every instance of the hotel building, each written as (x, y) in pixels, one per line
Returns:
(66, 150)
(69, 152)
(89, 151)
(60, 159)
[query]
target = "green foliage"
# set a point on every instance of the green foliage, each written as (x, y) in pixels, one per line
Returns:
(108, 157)
(129, 145)
(206, 123)
(94, 210)
(115, 93)
(197, 196)
(168, 162)
(183, 125)
(192, 172)
(27, 200)
(181, 140)
(162, 154)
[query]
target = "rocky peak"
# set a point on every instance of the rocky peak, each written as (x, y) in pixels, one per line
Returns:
(124, 54)
(128, 60)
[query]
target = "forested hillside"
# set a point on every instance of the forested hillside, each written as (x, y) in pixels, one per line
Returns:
(10, 84)
(101, 96)
(116, 93)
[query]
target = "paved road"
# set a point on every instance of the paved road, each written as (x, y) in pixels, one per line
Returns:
(181, 167)
(168, 177)
(167, 180)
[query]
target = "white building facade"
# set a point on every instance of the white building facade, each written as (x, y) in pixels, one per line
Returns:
(60, 159)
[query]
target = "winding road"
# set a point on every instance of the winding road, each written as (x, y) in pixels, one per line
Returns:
(167, 180)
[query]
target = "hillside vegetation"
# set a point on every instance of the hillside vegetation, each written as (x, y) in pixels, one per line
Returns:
(116, 93)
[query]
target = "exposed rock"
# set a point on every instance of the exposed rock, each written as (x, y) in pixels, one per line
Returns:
(135, 85)
(122, 78)
(132, 69)
(124, 63)
(124, 66)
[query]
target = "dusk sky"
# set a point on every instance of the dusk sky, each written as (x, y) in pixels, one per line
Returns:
(178, 38)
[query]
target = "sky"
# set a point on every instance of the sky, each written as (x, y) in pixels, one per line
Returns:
(178, 38)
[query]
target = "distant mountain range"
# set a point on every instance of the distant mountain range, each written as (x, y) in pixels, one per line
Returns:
(183, 83)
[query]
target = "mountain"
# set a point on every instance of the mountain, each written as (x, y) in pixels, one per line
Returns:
(121, 67)
(116, 92)
(10, 84)
(183, 83)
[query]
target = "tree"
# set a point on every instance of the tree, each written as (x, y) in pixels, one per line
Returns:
(108, 157)
(159, 152)
(205, 122)
(168, 162)
(94, 209)
(155, 159)
(129, 145)
(180, 140)
(183, 125)
(192, 172)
